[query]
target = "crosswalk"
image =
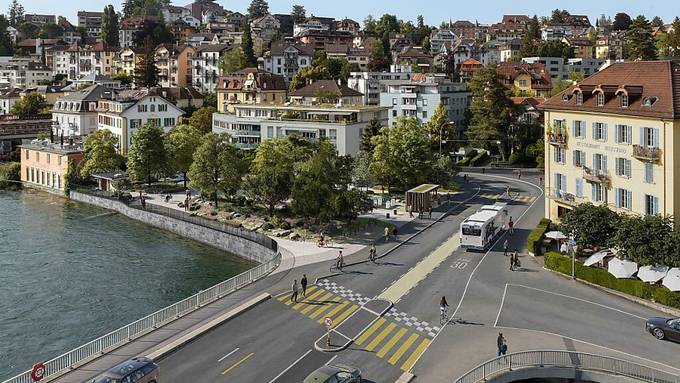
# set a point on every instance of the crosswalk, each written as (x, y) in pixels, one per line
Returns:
(518, 198)
(387, 338)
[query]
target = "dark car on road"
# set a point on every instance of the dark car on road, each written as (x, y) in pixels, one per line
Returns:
(334, 373)
(135, 370)
(664, 328)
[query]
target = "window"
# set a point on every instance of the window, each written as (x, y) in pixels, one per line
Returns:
(579, 187)
(579, 98)
(651, 205)
(168, 122)
(649, 137)
(47, 158)
(560, 183)
(27, 154)
(28, 174)
(37, 156)
(623, 167)
(600, 163)
(579, 129)
(162, 108)
(600, 131)
(599, 193)
(394, 113)
(424, 113)
(523, 83)
(59, 160)
(649, 172)
(624, 134)
(394, 101)
(579, 158)
(424, 102)
(141, 108)
(600, 99)
(560, 155)
(623, 100)
(624, 198)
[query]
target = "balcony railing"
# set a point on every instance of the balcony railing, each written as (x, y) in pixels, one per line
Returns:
(557, 139)
(565, 197)
(646, 153)
(595, 176)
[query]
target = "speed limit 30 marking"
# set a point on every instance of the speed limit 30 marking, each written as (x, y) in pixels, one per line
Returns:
(460, 264)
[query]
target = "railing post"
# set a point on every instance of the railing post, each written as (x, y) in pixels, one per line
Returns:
(510, 362)
(484, 371)
(541, 358)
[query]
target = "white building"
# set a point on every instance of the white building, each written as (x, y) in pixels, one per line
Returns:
(342, 125)
(369, 83)
(8, 99)
(206, 66)
(287, 58)
(439, 37)
(24, 74)
(81, 61)
(76, 112)
(91, 21)
(561, 69)
(172, 13)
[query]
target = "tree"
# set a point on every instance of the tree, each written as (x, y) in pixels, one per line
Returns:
(314, 183)
(426, 44)
(32, 103)
(109, 29)
(530, 39)
(233, 61)
(209, 99)
(439, 127)
(271, 173)
(157, 30)
(247, 47)
(387, 24)
(124, 78)
(537, 151)
(10, 175)
(100, 153)
(657, 22)
(51, 31)
(370, 24)
(299, 14)
(444, 171)
(490, 111)
(371, 130)
(180, 144)
(643, 239)
(640, 41)
(15, 14)
(28, 30)
(146, 71)
(6, 48)
(202, 119)
(216, 167)
(555, 48)
(361, 174)
(673, 38)
(338, 69)
(621, 22)
(257, 8)
(560, 16)
(310, 73)
(378, 61)
(534, 28)
(591, 226)
(147, 158)
(128, 8)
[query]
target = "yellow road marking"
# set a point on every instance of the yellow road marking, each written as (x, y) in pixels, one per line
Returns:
(380, 336)
(313, 306)
(304, 301)
(400, 287)
(321, 310)
(285, 298)
(233, 366)
(345, 314)
(412, 359)
(405, 346)
(376, 325)
(333, 312)
(388, 346)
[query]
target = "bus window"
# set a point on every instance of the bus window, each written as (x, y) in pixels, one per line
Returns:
(472, 231)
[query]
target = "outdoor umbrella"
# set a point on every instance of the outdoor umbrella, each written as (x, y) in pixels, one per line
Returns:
(652, 274)
(555, 235)
(622, 269)
(597, 257)
(672, 279)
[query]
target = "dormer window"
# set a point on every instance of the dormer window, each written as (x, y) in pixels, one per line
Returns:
(649, 101)
(623, 100)
(600, 99)
(579, 98)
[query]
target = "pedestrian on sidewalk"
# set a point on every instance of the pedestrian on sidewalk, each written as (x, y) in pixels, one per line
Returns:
(505, 247)
(429, 212)
(303, 284)
(372, 253)
(501, 344)
(540, 181)
(340, 261)
(507, 191)
(465, 178)
(511, 226)
(512, 262)
(387, 233)
(410, 213)
(516, 259)
(294, 295)
(394, 232)
(519, 174)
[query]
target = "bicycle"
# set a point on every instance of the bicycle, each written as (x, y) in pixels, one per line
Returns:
(443, 315)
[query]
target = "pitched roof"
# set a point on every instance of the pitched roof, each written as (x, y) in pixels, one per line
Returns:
(657, 82)
(176, 93)
(91, 93)
(263, 80)
(13, 93)
(213, 48)
(278, 48)
(314, 88)
(533, 101)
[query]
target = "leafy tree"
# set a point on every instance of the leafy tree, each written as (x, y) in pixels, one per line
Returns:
(15, 14)
(124, 78)
(51, 31)
(537, 151)
(157, 30)
(28, 30)
(350, 203)
(299, 14)
(310, 73)
(534, 30)
(216, 166)
(71, 177)
(387, 24)
(109, 30)
(247, 47)
(370, 24)
(555, 48)
(379, 60)
(233, 61)
(426, 44)
(621, 22)
(100, 153)
(210, 99)
(147, 158)
(271, 173)
(444, 171)
(591, 226)
(180, 144)
(439, 127)
(490, 111)
(146, 71)
(257, 8)
(6, 48)
(657, 22)
(641, 44)
(32, 103)
(371, 130)
(339, 69)
(559, 16)
(361, 174)
(144, 7)
(673, 39)
(202, 119)
(671, 254)
(10, 175)
(314, 183)
(643, 239)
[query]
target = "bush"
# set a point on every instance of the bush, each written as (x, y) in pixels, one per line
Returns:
(537, 235)
(10, 172)
(280, 223)
(561, 264)
(479, 159)
(517, 157)
(466, 161)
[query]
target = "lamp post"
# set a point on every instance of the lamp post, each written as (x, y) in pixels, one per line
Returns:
(441, 132)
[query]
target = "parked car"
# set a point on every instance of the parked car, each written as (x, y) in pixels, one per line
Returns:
(664, 328)
(334, 373)
(137, 370)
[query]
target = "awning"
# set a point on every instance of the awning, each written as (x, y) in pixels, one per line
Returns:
(555, 235)
(597, 257)
(622, 269)
(672, 279)
(652, 274)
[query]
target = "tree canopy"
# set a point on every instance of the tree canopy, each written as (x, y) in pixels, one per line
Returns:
(32, 103)
(100, 153)
(257, 8)
(146, 72)
(271, 173)
(216, 167)
(640, 41)
(180, 144)
(109, 29)
(247, 47)
(621, 22)
(591, 226)
(299, 14)
(202, 119)
(147, 158)
(233, 61)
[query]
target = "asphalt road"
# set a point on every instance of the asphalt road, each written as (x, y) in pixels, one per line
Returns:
(274, 342)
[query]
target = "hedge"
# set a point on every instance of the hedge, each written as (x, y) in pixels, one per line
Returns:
(479, 158)
(466, 161)
(557, 262)
(537, 235)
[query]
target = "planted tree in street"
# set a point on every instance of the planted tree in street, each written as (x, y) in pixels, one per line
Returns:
(147, 158)
(643, 239)
(591, 226)
(181, 143)
(216, 167)
(271, 173)
(100, 153)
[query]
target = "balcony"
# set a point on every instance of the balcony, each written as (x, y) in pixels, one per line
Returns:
(566, 198)
(646, 154)
(595, 176)
(559, 140)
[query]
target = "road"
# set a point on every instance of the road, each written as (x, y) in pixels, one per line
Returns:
(274, 342)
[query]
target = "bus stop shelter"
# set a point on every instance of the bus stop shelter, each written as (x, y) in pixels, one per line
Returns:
(419, 199)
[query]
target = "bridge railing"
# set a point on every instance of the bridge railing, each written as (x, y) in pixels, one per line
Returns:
(117, 338)
(567, 359)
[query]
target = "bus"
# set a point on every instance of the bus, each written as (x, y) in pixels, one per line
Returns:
(479, 230)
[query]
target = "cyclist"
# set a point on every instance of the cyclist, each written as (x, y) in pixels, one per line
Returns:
(340, 261)
(321, 242)
(443, 310)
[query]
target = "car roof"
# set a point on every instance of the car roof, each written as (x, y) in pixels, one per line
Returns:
(123, 369)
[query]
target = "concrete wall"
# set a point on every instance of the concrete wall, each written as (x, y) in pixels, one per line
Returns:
(221, 240)
(552, 373)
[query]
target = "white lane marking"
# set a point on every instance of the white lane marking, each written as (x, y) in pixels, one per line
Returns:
(505, 291)
(228, 355)
(291, 366)
(581, 300)
(591, 344)
(331, 361)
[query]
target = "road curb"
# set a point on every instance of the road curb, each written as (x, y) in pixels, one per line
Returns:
(406, 377)
(643, 302)
(187, 338)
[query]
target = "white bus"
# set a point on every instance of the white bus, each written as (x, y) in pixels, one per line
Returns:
(480, 229)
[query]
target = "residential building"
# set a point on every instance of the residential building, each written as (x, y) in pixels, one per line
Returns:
(25, 74)
(206, 66)
(13, 34)
(464, 29)
(84, 60)
(507, 31)
(174, 63)
(44, 164)
(326, 92)
(249, 86)
(415, 56)
(199, 8)
(440, 36)
(75, 114)
(510, 51)
(286, 23)
(525, 79)
(198, 39)
(611, 46)
(348, 25)
(35, 47)
(468, 68)
(531, 114)
(286, 58)
(490, 53)
(181, 97)
(369, 83)
(359, 58)
(265, 28)
(49, 92)
(91, 21)
(399, 41)
(172, 13)
(342, 125)
(560, 69)
(14, 129)
(420, 96)
(39, 20)
(314, 24)
(583, 47)
(612, 141)
(126, 61)
(125, 111)
(127, 30)
(98, 79)
(8, 99)
(319, 39)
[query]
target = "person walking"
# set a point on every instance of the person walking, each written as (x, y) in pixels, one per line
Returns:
(340, 261)
(515, 258)
(387, 233)
(429, 212)
(501, 344)
(294, 295)
(372, 253)
(512, 262)
(507, 191)
(465, 178)
(303, 284)
(511, 226)
(519, 174)
(505, 247)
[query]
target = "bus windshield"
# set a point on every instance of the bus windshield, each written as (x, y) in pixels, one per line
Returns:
(472, 230)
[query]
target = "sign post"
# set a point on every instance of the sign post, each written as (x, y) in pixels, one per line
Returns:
(329, 324)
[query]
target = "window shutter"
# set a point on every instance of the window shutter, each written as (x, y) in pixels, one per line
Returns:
(593, 192)
(616, 133)
(606, 128)
(595, 164)
(629, 199)
(655, 139)
(628, 168)
(629, 134)
(604, 164)
(583, 158)
(655, 208)
(564, 182)
(573, 128)
(649, 172)
(642, 137)
(617, 200)
(617, 166)
(575, 157)
(584, 129)
(594, 136)
(579, 187)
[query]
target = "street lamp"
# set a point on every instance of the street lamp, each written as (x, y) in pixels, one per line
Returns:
(441, 131)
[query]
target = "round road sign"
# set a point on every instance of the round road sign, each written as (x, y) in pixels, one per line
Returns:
(38, 371)
(328, 322)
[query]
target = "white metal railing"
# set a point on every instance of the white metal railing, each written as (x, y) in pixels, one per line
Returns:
(567, 359)
(125, 334)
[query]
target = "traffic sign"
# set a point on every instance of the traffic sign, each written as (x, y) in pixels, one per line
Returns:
(38, 371)
(328, 322)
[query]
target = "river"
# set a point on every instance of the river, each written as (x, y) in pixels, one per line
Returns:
(70, 272)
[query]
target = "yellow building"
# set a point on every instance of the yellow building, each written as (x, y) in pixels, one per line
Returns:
(248, 87)
(44, 164)
(583, 48)
(611, 141)
(126, 61)
(526, 79)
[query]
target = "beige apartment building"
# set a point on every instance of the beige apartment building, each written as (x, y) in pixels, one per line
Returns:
(44, 164)
(611, 140)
